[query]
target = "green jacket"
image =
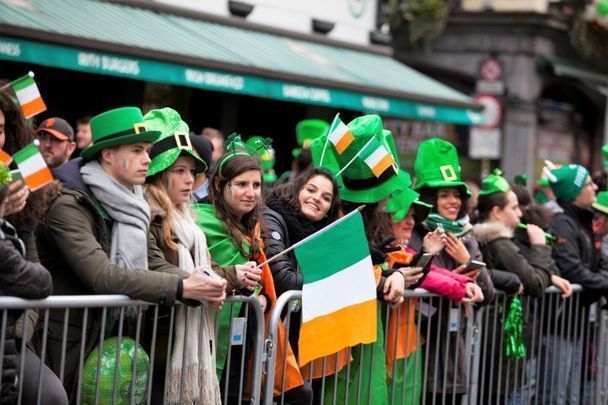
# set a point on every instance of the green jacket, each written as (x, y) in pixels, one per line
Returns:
(73, 244)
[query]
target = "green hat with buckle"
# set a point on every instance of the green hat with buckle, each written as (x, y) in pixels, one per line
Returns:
(121, 126)
(437, 166)
(307, 131)
(494, 183)
(357, 181)
(601, 203)
(173, 142)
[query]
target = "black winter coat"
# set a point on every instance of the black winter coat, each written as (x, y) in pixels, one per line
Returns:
(575, 252)
(18, 278)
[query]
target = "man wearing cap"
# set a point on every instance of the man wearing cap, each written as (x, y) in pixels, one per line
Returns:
(95, 238)
(56, 138)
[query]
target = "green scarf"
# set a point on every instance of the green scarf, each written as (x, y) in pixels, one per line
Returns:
(225, 253)
(434, 220)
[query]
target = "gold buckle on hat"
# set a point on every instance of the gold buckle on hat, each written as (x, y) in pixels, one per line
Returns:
(448, 173)
(182, 141)
(140, 127)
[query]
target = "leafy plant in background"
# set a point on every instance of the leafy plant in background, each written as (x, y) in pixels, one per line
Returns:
(425, 19)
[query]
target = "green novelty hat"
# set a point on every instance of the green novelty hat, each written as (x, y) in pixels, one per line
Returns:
(121, 126)
(601, 203)
(262, 148)
(307, 131)
(521, 179)
(400, 202)
(174, 141)
(494, 183)
(357, 181)
(568, 181)
(605, 153)
(437, 165)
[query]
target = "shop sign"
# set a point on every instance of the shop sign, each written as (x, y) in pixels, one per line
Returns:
(82, 60)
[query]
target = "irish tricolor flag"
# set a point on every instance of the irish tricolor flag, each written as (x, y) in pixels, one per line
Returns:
(31, 164)
(339, 292)
(28, 95)
(340, 135)
(377, 157)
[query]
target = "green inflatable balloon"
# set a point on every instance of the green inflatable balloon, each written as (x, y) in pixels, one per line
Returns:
(129, 349)
(602, 8)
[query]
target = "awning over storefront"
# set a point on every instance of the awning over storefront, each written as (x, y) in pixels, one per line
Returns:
(119, 40)
(561, 67)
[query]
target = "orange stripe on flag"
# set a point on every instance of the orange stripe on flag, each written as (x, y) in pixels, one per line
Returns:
(382, 165)
(333, 332)
(39, 179)
(5, 158)
(34, 107)
(344, 142)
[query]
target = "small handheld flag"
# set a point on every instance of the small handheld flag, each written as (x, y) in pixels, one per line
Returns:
(32, 166)
(339, 135)
(28, 95)
(377, 157)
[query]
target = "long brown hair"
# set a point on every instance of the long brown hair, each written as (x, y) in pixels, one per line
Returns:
(18, 135)
(156, 194)
(238, 229)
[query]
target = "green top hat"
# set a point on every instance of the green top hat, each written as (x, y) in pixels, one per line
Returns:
(120, 126)
(437, 165)
(174, 141)
(601, 204)
(494, 183)
(401, 201)
(307, 131)
(357, 181)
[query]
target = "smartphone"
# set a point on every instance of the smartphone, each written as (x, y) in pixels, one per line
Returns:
(424, 260)
(474, 265)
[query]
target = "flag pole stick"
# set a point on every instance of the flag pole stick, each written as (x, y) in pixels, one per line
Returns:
(300, 243)
(7, 85)
(333, 123)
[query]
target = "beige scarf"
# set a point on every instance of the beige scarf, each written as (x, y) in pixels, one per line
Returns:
(194, 327)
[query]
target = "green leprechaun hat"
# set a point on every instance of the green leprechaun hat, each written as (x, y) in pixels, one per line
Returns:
(307, 131)
(120, 126)
(262, 148)
(437, 165)
(356, 179)
(400, 202)
(494, 183)
(173, 142)
(601, 203)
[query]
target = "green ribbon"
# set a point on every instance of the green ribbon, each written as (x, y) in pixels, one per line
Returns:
(514, 331)
(434, 221)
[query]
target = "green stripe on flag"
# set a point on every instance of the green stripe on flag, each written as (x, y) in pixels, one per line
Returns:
(22, 83)
(370, 148)
(25, 153)
(333, 249)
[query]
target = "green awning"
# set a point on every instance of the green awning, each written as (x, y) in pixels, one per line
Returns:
(119, 40)
(561, 67)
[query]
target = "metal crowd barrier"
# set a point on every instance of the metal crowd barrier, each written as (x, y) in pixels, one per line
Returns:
(123, 318)
(458, 355)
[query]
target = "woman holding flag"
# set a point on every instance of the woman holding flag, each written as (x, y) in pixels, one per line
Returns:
(231, 223)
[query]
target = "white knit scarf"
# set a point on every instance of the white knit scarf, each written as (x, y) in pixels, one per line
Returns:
(196, 373)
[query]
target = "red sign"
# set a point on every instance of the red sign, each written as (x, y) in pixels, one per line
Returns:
(491, 70)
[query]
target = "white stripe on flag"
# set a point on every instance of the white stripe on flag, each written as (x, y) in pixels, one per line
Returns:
(338, 132)
(375, 158)
(28, 94)
(355, 283)
(32, 165)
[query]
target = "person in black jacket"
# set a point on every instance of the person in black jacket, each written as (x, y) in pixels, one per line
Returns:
(24, 279)
(295, 210)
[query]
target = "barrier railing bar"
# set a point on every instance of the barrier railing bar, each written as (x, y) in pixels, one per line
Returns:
(121, 318)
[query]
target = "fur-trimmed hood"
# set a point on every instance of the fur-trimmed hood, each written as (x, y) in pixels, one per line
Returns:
(490, 231)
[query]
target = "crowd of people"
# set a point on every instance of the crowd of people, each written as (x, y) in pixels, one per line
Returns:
(141, 206)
